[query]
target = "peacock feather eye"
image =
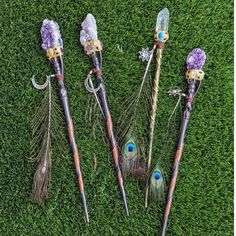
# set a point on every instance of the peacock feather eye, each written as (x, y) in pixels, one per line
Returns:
(157, 175)
(156, 179)
(157, 183)
(130, 149)
(130, 157)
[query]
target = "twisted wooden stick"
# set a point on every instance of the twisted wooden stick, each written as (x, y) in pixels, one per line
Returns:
(153, 112)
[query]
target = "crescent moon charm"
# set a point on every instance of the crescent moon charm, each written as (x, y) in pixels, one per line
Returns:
(89, 84)
(40, 86)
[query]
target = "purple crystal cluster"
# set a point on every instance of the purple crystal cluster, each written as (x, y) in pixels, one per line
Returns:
(50, 33)
(89, 29)
(196, 59)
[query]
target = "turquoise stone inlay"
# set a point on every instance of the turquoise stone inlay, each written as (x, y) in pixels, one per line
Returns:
(160, 35)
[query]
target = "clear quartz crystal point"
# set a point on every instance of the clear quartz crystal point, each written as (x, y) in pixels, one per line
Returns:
(162, 20)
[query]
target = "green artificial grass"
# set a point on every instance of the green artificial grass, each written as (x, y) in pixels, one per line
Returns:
(203, 200)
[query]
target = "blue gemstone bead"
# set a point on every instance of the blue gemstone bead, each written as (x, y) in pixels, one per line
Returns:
(161, 36)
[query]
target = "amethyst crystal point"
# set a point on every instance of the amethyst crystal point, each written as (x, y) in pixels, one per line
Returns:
(89, 29)
(51, 36)
(196, 59)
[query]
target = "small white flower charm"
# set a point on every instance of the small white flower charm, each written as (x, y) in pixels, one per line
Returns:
(145, 54)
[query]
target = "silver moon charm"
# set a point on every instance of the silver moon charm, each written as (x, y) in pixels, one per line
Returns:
(40, 86)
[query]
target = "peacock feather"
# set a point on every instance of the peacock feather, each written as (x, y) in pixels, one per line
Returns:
(157, 176)
(44, 126)
(133, 123)
(142, 105)
(130, 156)
(157, 183)
(131, 140)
